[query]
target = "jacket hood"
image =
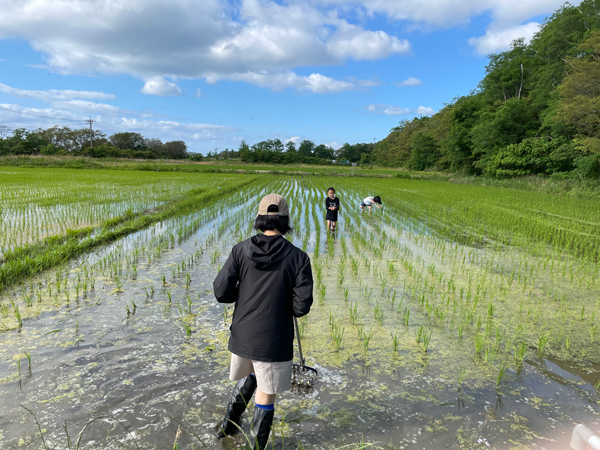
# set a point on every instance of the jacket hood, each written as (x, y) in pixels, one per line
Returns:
(267, 251)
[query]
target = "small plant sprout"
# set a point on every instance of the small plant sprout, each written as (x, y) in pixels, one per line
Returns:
(395, 340)
(461, 376)
(337, 334)
(501, 372)
(542, 342)
(169, 295)
(187, 328)
(520, 352)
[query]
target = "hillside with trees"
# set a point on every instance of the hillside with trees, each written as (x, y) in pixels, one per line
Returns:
(536, 111)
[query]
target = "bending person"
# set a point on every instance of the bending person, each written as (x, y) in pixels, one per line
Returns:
(370, 201)
(270, 281)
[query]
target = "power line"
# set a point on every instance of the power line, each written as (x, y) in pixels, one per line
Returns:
(43, 117)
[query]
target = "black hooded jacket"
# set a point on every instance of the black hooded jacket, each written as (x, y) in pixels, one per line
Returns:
(270, 281)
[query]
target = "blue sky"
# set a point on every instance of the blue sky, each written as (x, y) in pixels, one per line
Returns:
(213, 72)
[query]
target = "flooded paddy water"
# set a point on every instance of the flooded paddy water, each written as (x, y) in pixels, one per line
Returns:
(423, 337)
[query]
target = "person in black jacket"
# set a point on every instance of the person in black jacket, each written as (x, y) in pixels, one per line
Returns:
(332, 204)
(270, 281)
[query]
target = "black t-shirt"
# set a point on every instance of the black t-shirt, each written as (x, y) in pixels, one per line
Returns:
(330, 203)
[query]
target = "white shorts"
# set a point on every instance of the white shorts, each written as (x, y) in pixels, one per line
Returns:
(271, 377)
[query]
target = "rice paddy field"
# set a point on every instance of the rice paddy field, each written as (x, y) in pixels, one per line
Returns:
(456, 317)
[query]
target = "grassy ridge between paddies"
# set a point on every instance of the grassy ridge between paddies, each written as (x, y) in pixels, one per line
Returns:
(77, 162)
(31, 259)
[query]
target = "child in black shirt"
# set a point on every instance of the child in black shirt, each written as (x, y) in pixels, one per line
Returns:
(332, 204)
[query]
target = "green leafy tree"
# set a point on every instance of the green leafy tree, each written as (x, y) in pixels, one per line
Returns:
(128, 140)
(579, 105)
(425, 152)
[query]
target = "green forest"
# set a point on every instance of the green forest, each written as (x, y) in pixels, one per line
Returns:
(536, 112)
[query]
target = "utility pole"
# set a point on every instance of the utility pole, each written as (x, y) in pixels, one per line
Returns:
(90, 121)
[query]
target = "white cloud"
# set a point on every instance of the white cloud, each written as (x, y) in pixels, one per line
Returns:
(160, 87)
(315, 83)
(54, 94)
(447, 13)
(351, 41)
(334, 145)
(409, 82)
(189, 39)
(390, 110)
(198, 93)
(110, 120)
(500, 40)
(425, 111)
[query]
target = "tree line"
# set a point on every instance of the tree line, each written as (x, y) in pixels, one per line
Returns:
(84, 142)
(536, 111)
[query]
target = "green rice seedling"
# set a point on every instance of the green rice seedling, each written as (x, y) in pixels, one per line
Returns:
(520, 351)
(337, 335)
(322, 293)
(187, 328)
(490, 310)
(378, 314)
(346, 293)
(118, 283)
(395, 341)
(367, 338)
(406, 315)
(479, 340)
(3, 310)
(419, 334)
(501, 372)
(169, 295)
(28, 299)
(582, 311)
(488, 330)
(426, 340)
(461, 376)
(592, 333)
(151, 289)
(355, 317)
(19, 368)
(188, 280)
(164, 280)
(189, 310)
(55, 296)
(302, 323)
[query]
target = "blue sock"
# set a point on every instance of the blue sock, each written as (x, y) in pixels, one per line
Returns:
(266, 407)
(252, 375)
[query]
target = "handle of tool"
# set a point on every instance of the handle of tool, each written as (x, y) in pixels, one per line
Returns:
(299, 344)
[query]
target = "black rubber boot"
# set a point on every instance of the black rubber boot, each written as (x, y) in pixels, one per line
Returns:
(241, 395)
(261, 428)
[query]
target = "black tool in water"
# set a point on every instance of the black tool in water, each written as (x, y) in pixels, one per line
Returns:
(302, 375)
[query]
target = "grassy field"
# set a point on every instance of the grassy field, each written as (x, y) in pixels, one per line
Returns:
(458, 316)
